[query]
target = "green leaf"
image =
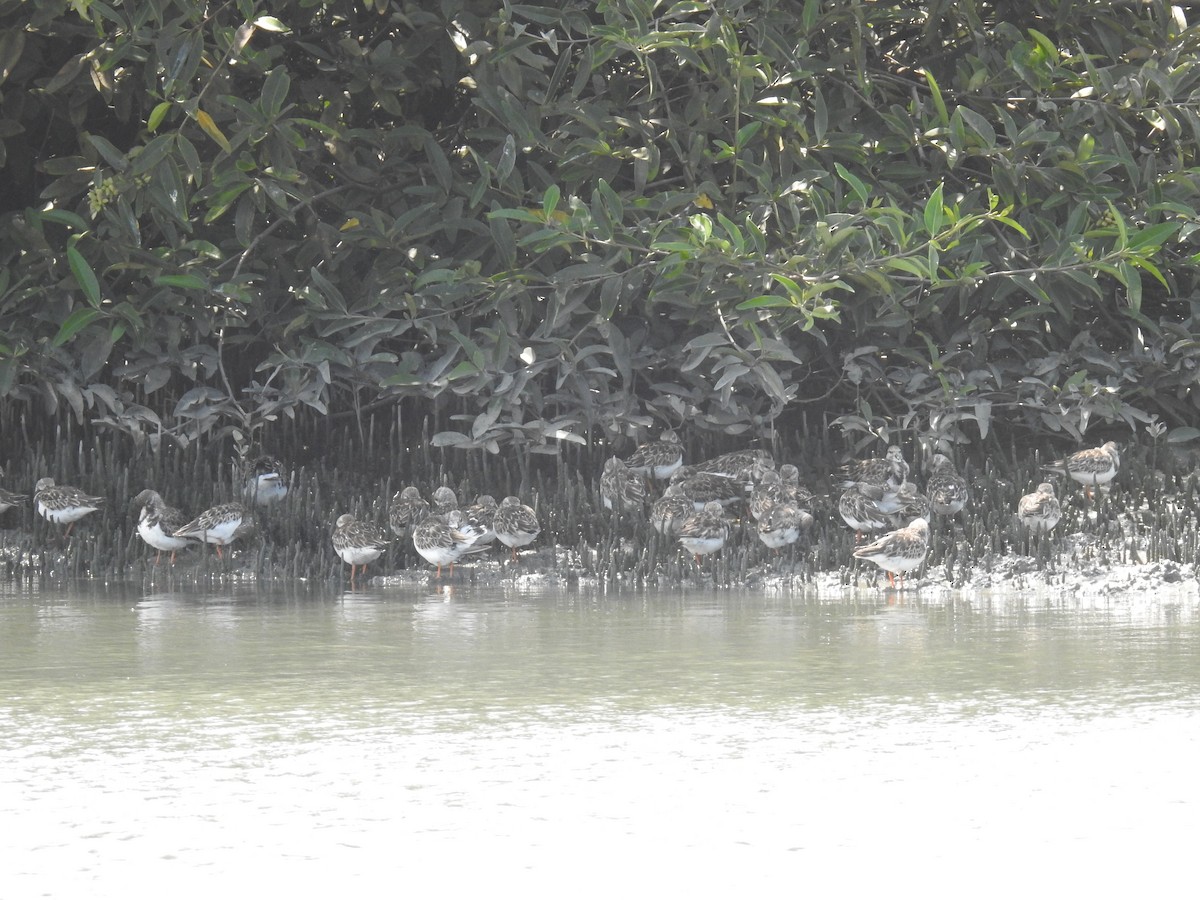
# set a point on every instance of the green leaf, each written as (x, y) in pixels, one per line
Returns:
(108, 150)
(550, 201)
(270, 23)
(1183, 434)
(275, 91)
(157, 115)
(766, 301)
(185, 282)
(12, 44)
(1154, 236)
(938, 101)
(84, 276)
(933, 212)
(75, 323)
(64, 217)
(856, 184)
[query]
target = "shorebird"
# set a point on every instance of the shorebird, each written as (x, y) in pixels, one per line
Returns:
(741, 465)
(218, 525)
(515, 524)
(793, 490)
(670, 511)
(909, 504)
(781, 525)
(157, 523)
(1039, 511)
(657, 459)
(8, 499)
(482, 514)
(947, 489)
(1090, 468)
(703, 488)
(767, 493)
(706, 531)
(264, 483)
(59, 503)
(898, 551)
(859, 508)
(406, 509)
(620, 489)
(444, 539)
(358, 543)
(889, 473)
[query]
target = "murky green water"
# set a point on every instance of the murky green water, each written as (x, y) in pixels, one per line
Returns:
(582, 743)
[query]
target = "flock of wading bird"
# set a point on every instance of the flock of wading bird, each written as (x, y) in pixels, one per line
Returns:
(694, 508)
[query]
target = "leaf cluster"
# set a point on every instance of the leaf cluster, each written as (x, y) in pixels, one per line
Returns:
(560, 222)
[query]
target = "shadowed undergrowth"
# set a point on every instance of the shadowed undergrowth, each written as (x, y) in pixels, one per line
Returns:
(1148, 517)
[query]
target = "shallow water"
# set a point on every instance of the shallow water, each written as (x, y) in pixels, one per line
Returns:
(575, 741)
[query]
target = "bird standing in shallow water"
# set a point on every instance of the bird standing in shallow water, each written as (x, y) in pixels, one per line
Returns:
(358, 543)
(898, 551)
(1040, 511)
(515, 525)
(157, 523)
(59, 503)
(443, 540)
(218, 525)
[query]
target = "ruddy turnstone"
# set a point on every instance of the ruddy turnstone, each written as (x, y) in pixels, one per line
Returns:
(482, 514)
(889, 473)
(767, 493)
(1039, 511)
(219, 525)
(1090, 468)
(620, 489)
(358, 543)
(947, 490)
(406, 509)
(859, 508)
(792, 488)
(909, 504)
(782, 523)
(657, 459)
(706, 531)
(670, 511)
(442, 540)
(741, 465)
(265, 482)
(704, 487)
(8, 499)
(898, 551)
(157, 523)
(515, 524)
(444, 500)
(59, 503)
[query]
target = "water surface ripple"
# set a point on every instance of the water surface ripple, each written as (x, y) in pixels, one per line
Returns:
(698, 742)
